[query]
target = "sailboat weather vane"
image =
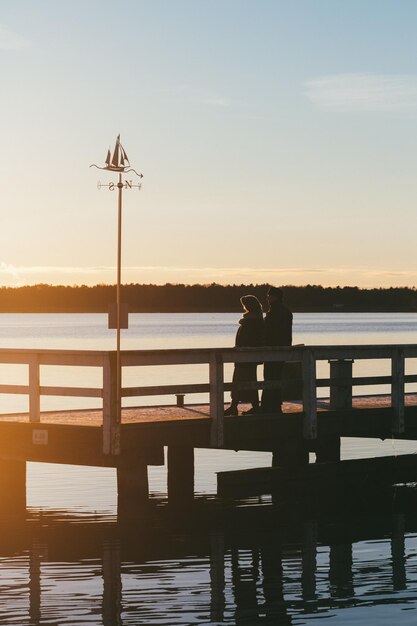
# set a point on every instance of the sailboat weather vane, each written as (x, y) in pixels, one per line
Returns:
(119, 163)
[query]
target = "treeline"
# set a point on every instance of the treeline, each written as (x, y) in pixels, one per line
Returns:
(171, 298)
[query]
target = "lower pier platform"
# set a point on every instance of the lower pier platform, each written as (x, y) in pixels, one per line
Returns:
(76, 437)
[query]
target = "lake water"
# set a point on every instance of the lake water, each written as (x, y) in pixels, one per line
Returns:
(70, 561)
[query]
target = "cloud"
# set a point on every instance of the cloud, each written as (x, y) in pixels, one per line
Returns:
(10, 40)
(364, 92)
(91, 275)
(8, 270)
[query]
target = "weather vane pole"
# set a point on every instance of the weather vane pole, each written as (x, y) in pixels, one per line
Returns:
(119, 163)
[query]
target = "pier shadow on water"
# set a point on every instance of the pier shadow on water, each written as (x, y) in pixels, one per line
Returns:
(253, 562)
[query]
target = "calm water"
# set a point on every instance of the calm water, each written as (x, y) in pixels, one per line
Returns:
(72, 562)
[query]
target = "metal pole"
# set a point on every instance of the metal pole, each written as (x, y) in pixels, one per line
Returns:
(119, 277)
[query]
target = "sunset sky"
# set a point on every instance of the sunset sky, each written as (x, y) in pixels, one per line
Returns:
(278, 140)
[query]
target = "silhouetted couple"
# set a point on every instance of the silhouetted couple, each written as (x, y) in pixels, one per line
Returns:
(255, 331)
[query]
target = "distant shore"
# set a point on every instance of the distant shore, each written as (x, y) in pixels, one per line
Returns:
(213, 298)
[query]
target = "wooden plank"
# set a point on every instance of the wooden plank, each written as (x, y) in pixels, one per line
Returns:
(165, 390)
(78, 392)
(326, 353)
(358, 381)
(15, 389)
(259, 481)
(53, 357)
(34, 389)
(397, 390)
(111, 424)
(73, 359)
(257, 355)
(309, 395)
(16, 357)
(130, 358)
(216, 400)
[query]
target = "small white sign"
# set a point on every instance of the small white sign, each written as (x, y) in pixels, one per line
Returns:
(40, 437)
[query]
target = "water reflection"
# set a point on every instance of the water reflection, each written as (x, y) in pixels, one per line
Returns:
(249, 564)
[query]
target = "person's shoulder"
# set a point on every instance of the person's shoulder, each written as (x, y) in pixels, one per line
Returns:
(255, 321)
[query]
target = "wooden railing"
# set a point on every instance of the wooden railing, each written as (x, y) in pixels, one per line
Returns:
(340, 382)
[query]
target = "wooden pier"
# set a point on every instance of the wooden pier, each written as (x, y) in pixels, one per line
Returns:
(95, 437)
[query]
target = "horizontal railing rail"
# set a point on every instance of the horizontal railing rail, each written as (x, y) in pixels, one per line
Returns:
(340, 382)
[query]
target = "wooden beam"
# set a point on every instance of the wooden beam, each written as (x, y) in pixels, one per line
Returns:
(132, 485)
(216, 400)
(12, 487)
(75, 392)
(309, 395)
(328, 446)
(180, 474)
(34, 389)
(397, 390)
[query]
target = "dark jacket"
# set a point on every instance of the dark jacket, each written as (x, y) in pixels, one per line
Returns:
(251, 332)
(278, 325)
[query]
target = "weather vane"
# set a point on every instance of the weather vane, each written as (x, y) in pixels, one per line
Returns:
(119, 163)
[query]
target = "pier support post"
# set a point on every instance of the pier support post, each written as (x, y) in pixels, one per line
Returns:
(132, 484)
(12, 486)
(290, 453)
(180, 474)
(328, 447)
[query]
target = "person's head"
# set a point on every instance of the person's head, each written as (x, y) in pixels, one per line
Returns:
(251, 304)
(275, 294)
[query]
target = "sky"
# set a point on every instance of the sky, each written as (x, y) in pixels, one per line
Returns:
(277, 139)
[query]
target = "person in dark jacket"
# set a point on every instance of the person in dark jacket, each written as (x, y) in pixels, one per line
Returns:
(278, 332)
(250, 334)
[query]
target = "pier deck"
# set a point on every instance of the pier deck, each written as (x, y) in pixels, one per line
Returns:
(307, 424)
(164, 413)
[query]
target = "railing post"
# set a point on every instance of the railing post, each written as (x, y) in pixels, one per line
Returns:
(216, 400)
(309, 394)
(180, 399)
(111, 424)
(328, 446)
(397, 390)
(341, 393)
(34, 390)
